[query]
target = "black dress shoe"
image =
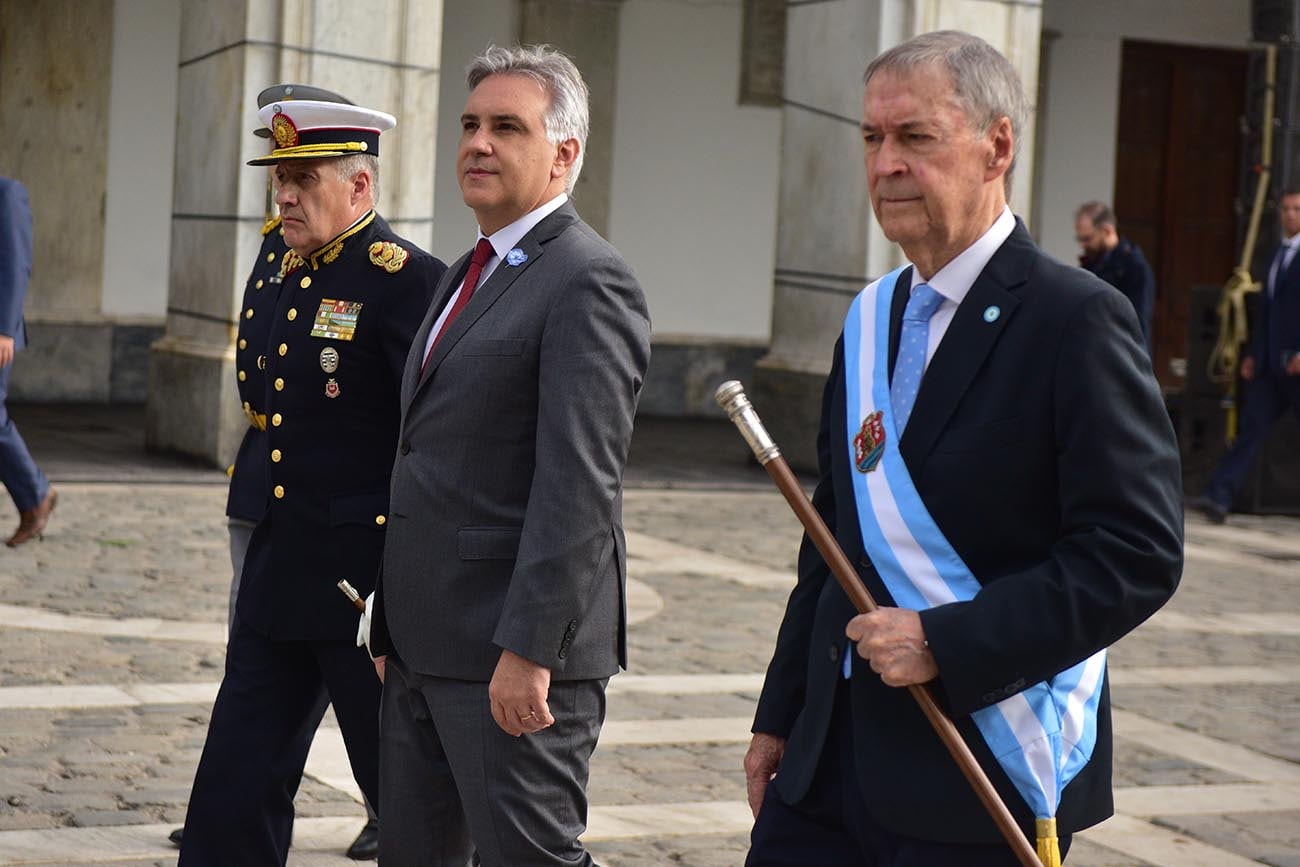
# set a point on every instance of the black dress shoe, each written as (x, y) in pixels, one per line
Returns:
(175, 836)
(366, 846)
(1213, 511)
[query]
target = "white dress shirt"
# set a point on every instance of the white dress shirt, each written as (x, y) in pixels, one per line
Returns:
(955, 279)
(503, 241)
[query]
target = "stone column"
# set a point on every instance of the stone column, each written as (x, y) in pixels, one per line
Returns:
(587, 31)
(828, 244)
(383, 54)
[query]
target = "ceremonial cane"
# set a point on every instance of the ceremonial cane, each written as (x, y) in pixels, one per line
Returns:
(731, 397)
(353, 596)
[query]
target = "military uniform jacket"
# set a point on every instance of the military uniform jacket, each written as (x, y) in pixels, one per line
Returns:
(337, 343)
(248, 487)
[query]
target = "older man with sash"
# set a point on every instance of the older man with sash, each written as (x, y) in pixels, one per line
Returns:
(996, 459)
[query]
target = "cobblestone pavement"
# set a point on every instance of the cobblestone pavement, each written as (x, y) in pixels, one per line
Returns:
(111, 648)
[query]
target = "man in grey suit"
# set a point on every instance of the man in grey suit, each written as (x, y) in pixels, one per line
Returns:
(499, 614)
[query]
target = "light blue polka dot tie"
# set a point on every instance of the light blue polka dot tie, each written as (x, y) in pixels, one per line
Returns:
(910, 365)
(908, 369)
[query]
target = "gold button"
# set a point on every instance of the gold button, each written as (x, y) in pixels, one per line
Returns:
(380, 520)
(284, 347)
(258, 285)
(242, 376)
(261, 362)
(270, 257)
(306, 281)
(276, 419)
(248, 314)
(279, 492)
(282, 231)
(293, 313)
(279, 384)
(247, 406)
(243, 344)
(275, 455)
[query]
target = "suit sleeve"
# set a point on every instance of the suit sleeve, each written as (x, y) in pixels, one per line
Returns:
(1118, 554)
(783, 686)
(15, 254)
(594, 350)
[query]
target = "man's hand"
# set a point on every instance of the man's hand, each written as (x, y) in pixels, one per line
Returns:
(1248, 368)
(518, 694)
(6, 350)
(1292, 365)
(379, 662)
(761, 761)
(893, 641)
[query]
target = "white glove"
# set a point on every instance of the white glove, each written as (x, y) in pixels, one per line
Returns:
(363, 625)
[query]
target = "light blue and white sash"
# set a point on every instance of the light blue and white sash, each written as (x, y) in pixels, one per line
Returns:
(1042, 736)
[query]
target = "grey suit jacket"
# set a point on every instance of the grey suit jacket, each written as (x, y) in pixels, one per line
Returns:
(506, 505)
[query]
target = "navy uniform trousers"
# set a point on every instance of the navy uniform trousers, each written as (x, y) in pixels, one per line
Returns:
(1267, 397)
(831, 827)
(271, 701)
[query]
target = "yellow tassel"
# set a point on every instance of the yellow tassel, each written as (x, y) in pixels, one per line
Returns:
(1049, 849)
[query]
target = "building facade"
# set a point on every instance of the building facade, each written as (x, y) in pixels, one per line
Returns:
(724, 161)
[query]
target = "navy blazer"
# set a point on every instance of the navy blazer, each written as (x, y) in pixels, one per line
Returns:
(1040, 445)
(15, 258)
(1277, 326)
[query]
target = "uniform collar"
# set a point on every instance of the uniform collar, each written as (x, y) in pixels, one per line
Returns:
(332, 249)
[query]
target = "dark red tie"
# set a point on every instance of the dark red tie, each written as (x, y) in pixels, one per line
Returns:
(482, 252)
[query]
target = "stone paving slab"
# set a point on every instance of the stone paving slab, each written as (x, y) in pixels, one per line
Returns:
(1209, 713)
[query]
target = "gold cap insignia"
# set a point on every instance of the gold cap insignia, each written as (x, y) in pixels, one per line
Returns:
(282, 127)
(389, 256)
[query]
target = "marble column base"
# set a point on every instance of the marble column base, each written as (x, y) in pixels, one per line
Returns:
(194, 404)
(789, 401)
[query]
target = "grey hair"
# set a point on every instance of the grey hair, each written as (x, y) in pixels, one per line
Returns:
(567, 116)
(983, 80)
(351, 165)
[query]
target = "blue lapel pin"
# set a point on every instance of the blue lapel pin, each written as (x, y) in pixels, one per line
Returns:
(991, 313)
(516, 257)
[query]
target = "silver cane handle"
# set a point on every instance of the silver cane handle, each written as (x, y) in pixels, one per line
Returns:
(731, 397)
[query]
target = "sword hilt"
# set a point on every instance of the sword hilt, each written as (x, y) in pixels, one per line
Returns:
(731, 397)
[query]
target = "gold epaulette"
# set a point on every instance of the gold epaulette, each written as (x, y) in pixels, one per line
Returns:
(270, 225)
(388, 255)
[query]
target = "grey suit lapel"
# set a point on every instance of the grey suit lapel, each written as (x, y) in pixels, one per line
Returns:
(502, 278)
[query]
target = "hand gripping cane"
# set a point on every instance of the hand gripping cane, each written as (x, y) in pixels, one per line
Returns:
(731, 397)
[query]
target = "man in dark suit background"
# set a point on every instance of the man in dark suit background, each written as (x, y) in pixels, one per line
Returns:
(1036, 441)
(500, 611)
(1115, 259)
(27, 485)
(351, 295)
(1271, 367)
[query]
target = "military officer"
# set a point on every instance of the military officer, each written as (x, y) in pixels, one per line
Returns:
(247, 496)
(352, 294)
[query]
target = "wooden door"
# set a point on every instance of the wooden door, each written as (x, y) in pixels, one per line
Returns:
(1176, 174)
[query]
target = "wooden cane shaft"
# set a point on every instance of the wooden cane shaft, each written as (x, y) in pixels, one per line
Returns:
(943, 726)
